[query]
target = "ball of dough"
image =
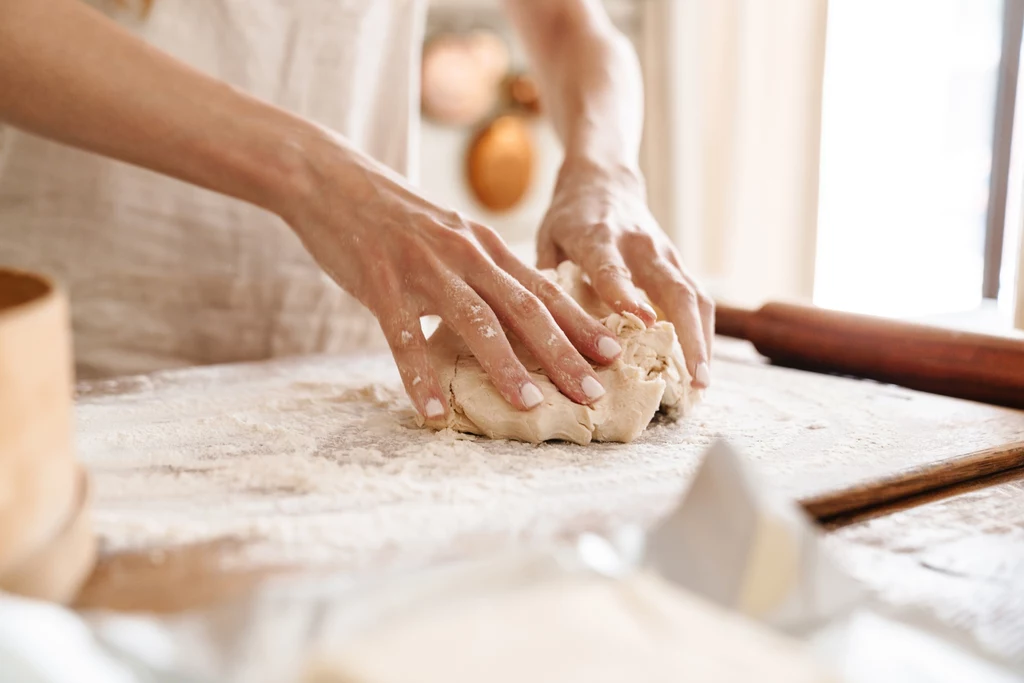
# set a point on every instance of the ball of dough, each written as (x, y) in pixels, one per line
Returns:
(650, 376)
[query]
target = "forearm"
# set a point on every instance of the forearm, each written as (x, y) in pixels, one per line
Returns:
(589, 76)
(70, 74)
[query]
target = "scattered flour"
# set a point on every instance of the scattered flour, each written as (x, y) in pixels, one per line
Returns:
(319, 460)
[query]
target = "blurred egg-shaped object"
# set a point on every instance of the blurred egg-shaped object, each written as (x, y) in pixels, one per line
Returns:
(523, 93)
(500, 163)
(490, 52)
(460, 77)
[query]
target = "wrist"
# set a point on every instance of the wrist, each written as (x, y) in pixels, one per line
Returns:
(602, 171)
(282, 174)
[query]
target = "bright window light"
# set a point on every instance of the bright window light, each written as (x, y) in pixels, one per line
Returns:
(906, 145)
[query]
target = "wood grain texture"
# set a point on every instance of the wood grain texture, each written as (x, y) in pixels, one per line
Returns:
(959, 559)
(923, 498)
(916, 481)
(967, 365)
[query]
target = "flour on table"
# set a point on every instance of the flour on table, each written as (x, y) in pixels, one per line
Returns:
(650, 376)
(318, 461)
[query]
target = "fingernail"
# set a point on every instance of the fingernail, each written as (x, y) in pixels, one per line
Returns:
(434, 408)
(531, 395)
(592, 388)
(647, 309)
(702, 376)
(608, 347)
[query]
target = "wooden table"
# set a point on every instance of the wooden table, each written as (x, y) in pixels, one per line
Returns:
(209, 480)
(959, 558)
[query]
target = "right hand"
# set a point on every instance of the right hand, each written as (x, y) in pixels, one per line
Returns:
(403, 258)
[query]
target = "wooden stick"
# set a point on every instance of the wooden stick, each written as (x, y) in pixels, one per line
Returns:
(976, 367)
(915, 481)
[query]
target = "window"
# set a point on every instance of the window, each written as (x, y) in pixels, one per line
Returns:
(909, 113)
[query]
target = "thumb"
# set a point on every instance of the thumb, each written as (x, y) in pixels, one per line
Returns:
(548, 254)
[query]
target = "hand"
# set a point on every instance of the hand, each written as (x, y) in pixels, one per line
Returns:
(599, 219)
(404, 258)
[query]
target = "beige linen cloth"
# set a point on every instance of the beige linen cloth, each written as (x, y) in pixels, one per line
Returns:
(162, 274)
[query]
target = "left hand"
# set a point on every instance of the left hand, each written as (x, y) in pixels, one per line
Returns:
(599, 220)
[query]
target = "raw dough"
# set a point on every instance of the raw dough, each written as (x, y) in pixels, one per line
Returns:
(650, 375)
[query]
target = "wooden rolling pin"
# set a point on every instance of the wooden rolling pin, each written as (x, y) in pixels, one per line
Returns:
(977, 367)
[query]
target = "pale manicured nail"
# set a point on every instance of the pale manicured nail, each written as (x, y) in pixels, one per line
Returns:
(434, 408)
(531, 395)
(592, 388)
(648, 309)
(608, 347)
(701, 375)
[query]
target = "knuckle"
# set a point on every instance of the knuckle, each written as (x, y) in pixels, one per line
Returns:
(471, 260)
(684, 292)
(704, 302)
(483, 318)
(509, 370)
(452, 221)
(461, 244)
(570, 362)
(640, 241)
(547, 290)
(611, 270)
(599, 232)
(486, 234)
(460, 222)
(564, 368)
(528, 307)
(454, 294)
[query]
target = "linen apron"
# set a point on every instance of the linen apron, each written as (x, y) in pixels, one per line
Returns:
(162, 274)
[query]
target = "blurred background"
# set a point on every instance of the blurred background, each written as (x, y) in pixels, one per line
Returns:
(854, 153)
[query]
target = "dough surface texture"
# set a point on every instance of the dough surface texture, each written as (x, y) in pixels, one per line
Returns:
(649, 376)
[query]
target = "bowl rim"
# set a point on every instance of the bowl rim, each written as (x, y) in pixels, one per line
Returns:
(46, 290)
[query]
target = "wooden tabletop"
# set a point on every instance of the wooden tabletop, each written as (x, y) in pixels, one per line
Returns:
(210, 480)
(958, 558)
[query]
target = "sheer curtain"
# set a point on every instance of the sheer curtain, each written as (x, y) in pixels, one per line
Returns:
(732, 138)
(1018, 317)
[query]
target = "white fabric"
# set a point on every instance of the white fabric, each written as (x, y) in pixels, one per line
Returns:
(732, 136)
(163, 274)
(1018, 318)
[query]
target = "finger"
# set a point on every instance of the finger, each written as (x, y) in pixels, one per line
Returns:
(548, 254)
(613, 281)
(705, 304)
(707, 314)
(409, 347)
(587, 334)
(473, 320)
(678, 299)
(533, 325)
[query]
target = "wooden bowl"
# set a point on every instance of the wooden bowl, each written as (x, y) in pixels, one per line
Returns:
(57, 570)
(500, 163)
(37, 467)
